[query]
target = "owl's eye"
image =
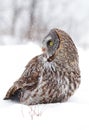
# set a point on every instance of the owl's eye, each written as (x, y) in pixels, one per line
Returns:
(50, 43)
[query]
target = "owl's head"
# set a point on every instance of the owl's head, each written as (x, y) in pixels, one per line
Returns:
(58, 44)
(50, 44)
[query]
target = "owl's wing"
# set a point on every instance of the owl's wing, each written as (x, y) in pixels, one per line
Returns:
(28, 80)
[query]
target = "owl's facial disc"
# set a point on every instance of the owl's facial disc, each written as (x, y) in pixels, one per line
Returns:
(50, 45)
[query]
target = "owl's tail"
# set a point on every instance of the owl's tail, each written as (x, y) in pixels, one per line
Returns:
(13, 94)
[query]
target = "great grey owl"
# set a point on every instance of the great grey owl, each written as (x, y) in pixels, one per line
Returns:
(50, 77)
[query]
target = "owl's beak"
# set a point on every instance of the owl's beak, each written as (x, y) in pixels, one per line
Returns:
(43, 49)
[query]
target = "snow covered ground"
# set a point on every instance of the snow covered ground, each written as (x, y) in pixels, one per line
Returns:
(72, 115)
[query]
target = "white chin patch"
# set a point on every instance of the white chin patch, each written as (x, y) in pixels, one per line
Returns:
(46, 57)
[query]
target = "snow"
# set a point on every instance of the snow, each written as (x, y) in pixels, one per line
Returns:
(72, 115)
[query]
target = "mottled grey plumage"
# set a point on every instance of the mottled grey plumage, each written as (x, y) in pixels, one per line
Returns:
(52, 76)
